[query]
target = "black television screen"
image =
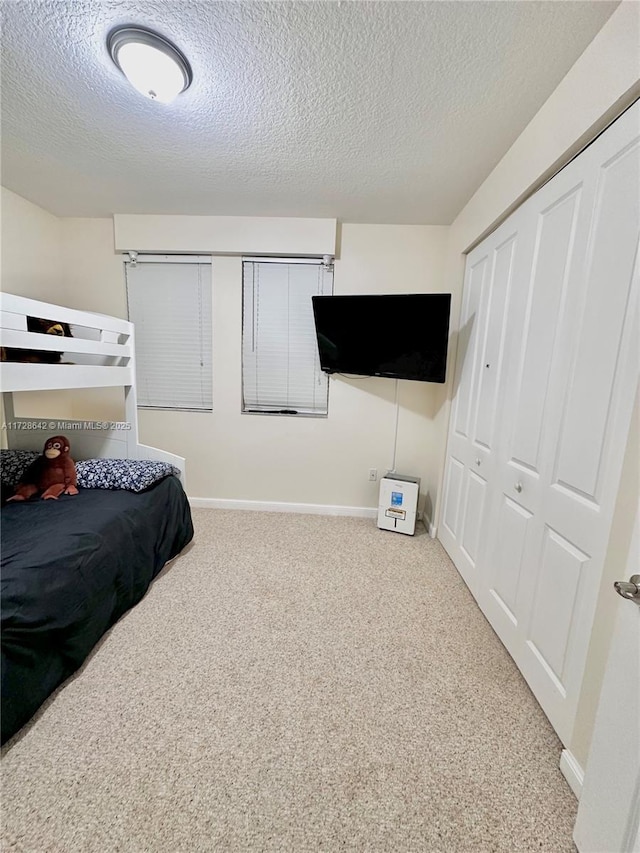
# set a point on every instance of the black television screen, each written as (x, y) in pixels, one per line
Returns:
(403, 336)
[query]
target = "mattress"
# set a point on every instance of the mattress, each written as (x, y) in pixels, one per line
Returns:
(70, 569)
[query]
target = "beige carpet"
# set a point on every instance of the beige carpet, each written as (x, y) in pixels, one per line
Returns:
(292, 683)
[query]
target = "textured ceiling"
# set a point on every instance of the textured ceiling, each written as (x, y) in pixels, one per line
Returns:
(390, 112)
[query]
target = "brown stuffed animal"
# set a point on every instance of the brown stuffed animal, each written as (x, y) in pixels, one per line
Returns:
(36, 356)
(53, 473)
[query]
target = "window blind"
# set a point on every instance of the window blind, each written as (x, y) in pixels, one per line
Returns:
(169, 302)
(280, 363)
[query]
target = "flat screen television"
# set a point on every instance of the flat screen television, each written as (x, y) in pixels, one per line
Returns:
(403, 336)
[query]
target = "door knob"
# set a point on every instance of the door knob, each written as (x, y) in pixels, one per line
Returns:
(630, 589)
(518, 487)
(478, 461)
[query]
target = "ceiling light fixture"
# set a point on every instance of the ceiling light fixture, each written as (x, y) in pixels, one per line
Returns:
(152, 64)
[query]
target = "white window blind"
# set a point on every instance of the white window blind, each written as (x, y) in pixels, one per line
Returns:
(280, 363)
(169, 301)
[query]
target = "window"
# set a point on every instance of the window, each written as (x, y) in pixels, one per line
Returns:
(169, 300)
(280, 365)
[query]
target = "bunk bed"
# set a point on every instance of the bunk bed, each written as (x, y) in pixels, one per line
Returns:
(72, 567)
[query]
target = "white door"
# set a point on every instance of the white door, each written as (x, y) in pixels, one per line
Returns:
(570, 344)
(494, 271)
(609, 813)
(569, 399)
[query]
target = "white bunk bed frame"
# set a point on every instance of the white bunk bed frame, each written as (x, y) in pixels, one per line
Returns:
(115, 344)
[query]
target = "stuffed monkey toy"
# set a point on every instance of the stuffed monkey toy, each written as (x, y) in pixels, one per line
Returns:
(53, 473)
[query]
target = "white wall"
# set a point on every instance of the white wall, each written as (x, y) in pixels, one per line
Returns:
(225, 235)
(31, 250)
(283, 459)
(602, 81)
(31, 265)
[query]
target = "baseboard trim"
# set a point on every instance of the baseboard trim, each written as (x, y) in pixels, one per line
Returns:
(275, 506)
(572, 772)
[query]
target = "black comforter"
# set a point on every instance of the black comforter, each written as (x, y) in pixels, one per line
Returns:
(70, 569)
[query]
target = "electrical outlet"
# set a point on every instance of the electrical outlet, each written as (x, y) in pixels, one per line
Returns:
(373, 474)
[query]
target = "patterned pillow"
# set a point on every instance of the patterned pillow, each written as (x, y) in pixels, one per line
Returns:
(134, 475)
(13, 464)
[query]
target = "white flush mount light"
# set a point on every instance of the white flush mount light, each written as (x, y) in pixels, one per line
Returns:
(151, 63)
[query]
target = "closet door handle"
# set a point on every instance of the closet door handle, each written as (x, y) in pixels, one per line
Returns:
(478, 461)
(518, 487)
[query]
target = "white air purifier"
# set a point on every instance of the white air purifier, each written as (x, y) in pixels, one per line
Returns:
(398, 503)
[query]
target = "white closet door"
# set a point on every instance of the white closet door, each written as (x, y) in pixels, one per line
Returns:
(564, 417)
(494, 270)
(545, 312)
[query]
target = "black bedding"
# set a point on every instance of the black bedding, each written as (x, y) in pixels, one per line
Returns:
(70, 569)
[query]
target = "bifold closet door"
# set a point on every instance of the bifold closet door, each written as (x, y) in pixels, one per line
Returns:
(494, 270)
(564, 412)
